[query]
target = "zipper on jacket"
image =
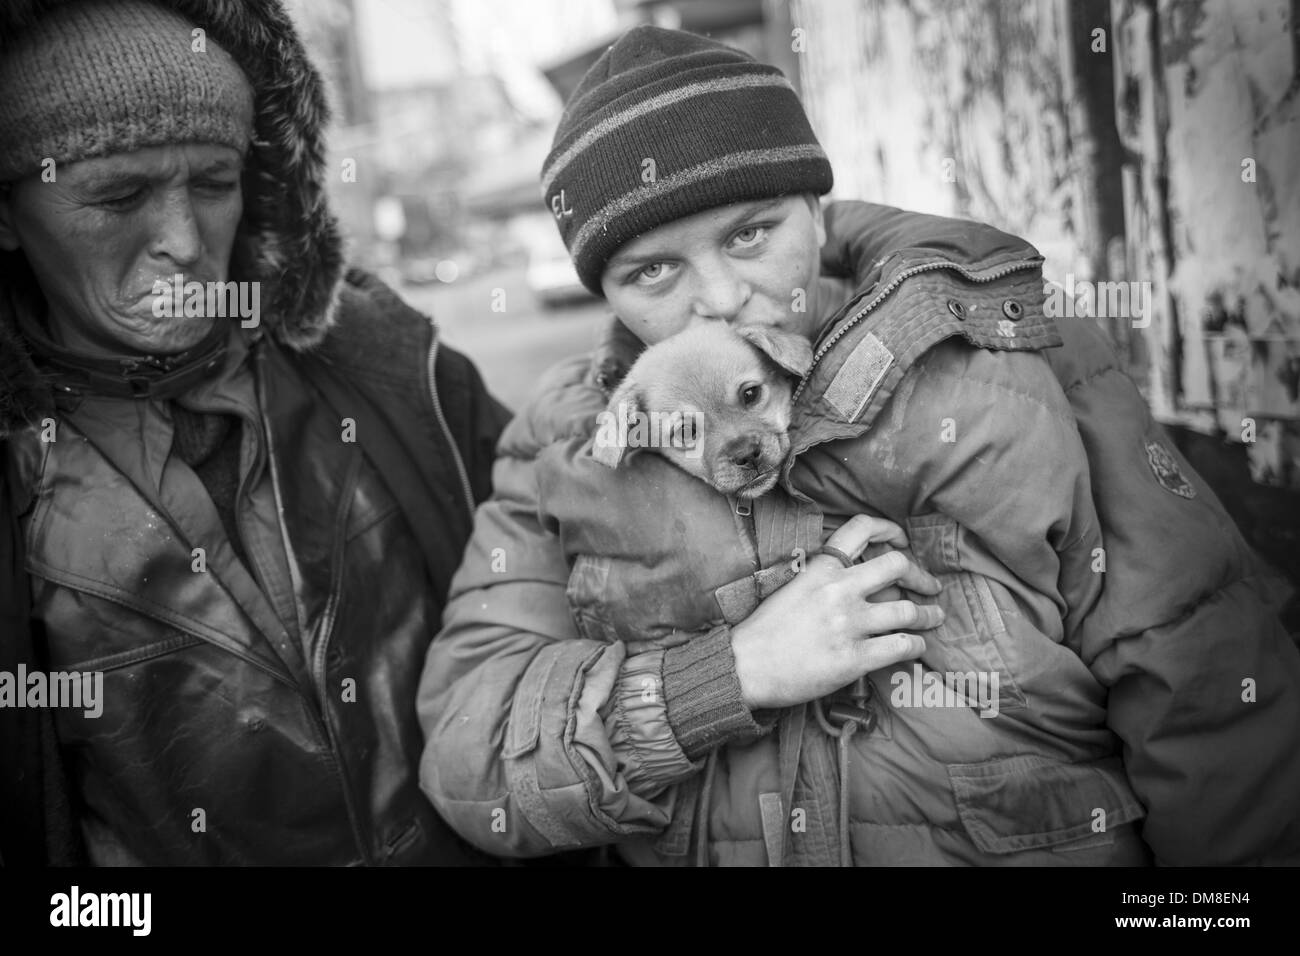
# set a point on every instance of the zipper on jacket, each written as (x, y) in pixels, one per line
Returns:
(998, 272)
(315, 666)
(295, 579)
(446, 431)
(330, 612)
(318, 663)
(744, 510)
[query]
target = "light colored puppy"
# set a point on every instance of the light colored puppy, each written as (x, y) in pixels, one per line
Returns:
(714, 400)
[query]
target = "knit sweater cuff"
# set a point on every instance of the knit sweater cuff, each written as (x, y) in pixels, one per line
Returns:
(702, 694)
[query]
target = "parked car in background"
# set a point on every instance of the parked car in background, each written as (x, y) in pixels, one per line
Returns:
(554, 281)
(550, 274)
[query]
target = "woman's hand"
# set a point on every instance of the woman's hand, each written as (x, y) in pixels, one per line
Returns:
(822, 630)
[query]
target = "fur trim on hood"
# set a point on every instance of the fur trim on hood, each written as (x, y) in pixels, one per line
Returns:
(287, 240)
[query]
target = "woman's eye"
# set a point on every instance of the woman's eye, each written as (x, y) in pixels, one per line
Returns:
(749, 236)
(124, 201)
(750, 395)
(219, 186)
(651, 274)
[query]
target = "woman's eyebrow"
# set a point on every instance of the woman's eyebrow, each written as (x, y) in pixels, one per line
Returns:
(219, 166)
(637, 258)
(119, 179)
(752, 210)
(104, 182)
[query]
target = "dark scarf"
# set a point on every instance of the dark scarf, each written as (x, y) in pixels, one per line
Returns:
(209, 443)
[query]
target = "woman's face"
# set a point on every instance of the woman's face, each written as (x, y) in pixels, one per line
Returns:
(750, 263)
(106, 230)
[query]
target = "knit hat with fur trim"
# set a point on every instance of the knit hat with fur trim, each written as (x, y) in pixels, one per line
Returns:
(667, 124)
(112, 76)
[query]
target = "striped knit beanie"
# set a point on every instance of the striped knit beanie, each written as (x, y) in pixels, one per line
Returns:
(111, 76)
(667, 124)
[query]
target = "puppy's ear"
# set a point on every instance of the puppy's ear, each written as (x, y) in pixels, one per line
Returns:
(789, 351)
(609, 446)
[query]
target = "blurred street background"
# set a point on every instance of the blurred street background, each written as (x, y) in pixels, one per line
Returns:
(1134, 141)
(513, 347)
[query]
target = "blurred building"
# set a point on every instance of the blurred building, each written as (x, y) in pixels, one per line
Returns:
(445, 110)
(759, 27)
(437, 104)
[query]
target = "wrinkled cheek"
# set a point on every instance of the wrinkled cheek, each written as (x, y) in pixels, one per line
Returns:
(220, 240)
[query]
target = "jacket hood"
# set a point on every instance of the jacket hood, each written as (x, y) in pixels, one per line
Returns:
(288, 241)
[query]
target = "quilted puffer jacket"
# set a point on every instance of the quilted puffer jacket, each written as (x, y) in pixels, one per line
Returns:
(1140, 699)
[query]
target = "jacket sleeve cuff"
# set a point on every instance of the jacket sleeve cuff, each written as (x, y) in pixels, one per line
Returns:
(702, 695)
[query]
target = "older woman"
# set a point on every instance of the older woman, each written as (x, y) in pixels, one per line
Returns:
(233, 483)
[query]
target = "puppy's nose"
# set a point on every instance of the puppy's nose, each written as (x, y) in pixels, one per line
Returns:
(744, 451)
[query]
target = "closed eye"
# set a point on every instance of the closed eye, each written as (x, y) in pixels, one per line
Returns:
(123, 201)
(218, 186)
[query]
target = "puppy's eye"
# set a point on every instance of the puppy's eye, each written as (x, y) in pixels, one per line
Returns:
(750, 395)
(686, 432)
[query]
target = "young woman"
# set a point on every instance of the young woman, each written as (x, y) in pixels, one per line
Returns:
(628, 657)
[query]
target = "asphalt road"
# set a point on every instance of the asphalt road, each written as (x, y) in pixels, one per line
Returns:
(514, 346)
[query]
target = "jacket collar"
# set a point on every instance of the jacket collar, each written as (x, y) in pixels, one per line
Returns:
(74, 372)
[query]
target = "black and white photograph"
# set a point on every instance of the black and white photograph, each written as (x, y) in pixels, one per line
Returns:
(594, 434)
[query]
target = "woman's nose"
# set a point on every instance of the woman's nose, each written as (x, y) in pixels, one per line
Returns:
(720, 291)
(176, 229)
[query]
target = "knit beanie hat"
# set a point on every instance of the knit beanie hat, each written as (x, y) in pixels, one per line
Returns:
(110, 76)
(668, 124)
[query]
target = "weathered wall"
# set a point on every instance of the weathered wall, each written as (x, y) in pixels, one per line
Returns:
(1209, 113)
(1150, 141)
(956, 107)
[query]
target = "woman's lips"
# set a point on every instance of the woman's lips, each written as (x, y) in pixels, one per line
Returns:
(167, 286)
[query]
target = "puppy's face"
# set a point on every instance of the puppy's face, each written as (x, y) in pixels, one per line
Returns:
(715, 401)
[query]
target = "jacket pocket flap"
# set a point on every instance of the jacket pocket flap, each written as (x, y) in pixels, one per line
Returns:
(738, 599)
(1029, 802)
(526, 711)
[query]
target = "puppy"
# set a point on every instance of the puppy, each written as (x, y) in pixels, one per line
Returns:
(714, 400)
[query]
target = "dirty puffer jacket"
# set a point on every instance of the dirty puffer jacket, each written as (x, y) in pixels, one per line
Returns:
(1085, 566)
(257, 711)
